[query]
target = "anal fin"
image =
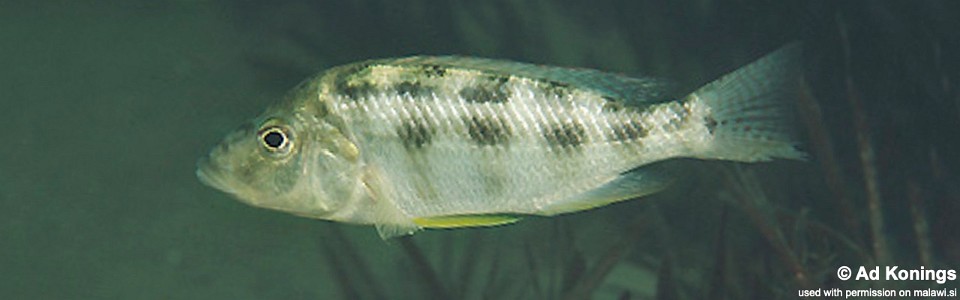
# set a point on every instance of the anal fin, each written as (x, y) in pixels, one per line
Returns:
(457, 221)
(629, 185)
(388, 231)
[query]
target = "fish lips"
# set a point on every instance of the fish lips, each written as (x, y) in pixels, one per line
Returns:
(211, 175)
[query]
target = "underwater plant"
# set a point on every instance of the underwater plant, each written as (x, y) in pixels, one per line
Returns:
(874, 191)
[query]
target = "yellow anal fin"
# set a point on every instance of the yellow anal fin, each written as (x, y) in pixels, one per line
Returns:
(456, 221)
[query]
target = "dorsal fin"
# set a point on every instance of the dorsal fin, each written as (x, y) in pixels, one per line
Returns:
(628, 90)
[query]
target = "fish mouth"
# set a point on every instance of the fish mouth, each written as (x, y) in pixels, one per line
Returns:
(212, 175)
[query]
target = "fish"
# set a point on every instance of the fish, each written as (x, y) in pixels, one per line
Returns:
(421, 142)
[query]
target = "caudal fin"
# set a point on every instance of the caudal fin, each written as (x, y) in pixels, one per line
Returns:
(750, 109)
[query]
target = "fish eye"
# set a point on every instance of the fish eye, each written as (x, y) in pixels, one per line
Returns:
(275, 139)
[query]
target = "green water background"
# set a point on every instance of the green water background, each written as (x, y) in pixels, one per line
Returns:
(106, 106)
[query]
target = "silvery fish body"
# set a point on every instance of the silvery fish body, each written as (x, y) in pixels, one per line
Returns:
(439, 142)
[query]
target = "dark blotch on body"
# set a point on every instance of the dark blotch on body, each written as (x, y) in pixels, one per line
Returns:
(568, 135)
(490, 91)
(356, 91)
(347, 84)
(611, 105)
(483, 94)
(434, 71)
(415, 134)
(414, 89)
(487, 131)
(711, 124)
(558, 89)
(627, 131)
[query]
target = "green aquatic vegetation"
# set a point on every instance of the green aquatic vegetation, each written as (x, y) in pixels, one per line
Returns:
(727, 231)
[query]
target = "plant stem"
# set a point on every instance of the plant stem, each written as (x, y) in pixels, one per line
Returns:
(423, 268)
(867, 156)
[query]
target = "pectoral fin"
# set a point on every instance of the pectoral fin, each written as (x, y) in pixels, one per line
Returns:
(632, 184)
(457, 221)
(388, 231)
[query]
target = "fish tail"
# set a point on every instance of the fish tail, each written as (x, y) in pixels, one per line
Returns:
(748, 111)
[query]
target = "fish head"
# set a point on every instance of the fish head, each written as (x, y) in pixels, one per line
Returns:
(292, 162)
